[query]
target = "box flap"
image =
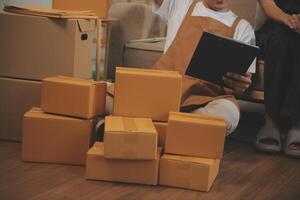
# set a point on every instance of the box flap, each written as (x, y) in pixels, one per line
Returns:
(196, 160)
(70, 80)
(97, 149)
(148, 72)
(86, 25)
(189, 117)
(126, 124)
(54, 13)
(38, 113)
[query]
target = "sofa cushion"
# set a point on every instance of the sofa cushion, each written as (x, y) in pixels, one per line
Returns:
(142, 54)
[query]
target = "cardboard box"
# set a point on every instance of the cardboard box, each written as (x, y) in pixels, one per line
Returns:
(188, 172)
(17, 97)
(56, 139)
(99, 6)
(127, 171)
(146, 93)
(35, 47)
(161, 128)
(195, 135)
(130, 138)
(73, 97)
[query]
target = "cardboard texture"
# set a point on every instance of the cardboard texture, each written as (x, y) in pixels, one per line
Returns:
(146, 93)
(56, 139)
(130, 138)
(17, 97)
(99, 6)
(35, 47)
(127, 171)
(73, 97)
(54, 13)
(188, 172)
(161, 128)
(195, 135)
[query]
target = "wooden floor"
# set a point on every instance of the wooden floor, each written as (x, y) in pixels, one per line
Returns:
(245, 174)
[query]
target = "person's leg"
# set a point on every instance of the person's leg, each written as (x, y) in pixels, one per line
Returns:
(275, 42)
(109, 105)
(222, 108)
(109, 102)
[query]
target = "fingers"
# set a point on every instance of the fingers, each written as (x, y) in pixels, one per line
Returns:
(238, 87)
(296, 22)
(240, 78)
(293, 22)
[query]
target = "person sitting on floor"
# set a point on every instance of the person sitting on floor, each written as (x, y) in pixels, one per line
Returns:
(279, 40)
(186, 21)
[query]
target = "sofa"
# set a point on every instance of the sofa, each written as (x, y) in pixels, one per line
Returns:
(137, 21)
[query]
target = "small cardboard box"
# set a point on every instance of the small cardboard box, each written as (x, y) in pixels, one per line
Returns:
(146, 93)
(127, 171)
(99, 6)
(56, 139)
(130, 138)
(195, 135)
(17, 97)
(73, 97)
(34, 47)
(188, 172)
(161, 128)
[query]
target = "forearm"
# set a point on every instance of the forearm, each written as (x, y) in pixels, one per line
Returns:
(158, 2)
(272, 10)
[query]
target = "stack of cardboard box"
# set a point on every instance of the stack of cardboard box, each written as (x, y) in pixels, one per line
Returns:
(146, 112)
(62, 130)
(194, 147)
(33, 48)
(129, 152)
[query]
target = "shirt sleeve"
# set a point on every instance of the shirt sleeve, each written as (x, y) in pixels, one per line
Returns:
(245, 33)
(170, 7)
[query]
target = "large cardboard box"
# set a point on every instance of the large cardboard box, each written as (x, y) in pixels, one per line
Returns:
(73, 97)
(146, 93)
(195, 135)
(35, 47)
(56, 139)
(99, 6)
(16, 98)
(130, 138)
(188, 172)
(161, 128)
(127, 171)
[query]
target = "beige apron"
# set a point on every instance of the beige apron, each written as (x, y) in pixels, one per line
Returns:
(195, 92)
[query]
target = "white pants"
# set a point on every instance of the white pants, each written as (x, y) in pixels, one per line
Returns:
(220, 107)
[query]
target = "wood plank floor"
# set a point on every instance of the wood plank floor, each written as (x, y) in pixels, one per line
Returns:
(245, 174)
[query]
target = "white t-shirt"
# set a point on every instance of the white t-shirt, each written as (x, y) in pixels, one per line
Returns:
(174, 12)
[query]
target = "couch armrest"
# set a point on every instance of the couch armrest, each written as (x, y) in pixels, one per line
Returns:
(135, 21)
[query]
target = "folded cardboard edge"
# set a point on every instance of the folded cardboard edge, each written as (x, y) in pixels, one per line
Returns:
(98, 150)
(72, 80)
(36, 112)
(190, 159)
(189, 116)
(128, 124)
(147, 71)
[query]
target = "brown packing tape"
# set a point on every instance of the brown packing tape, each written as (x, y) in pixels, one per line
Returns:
(131, 138)
(129, 124)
